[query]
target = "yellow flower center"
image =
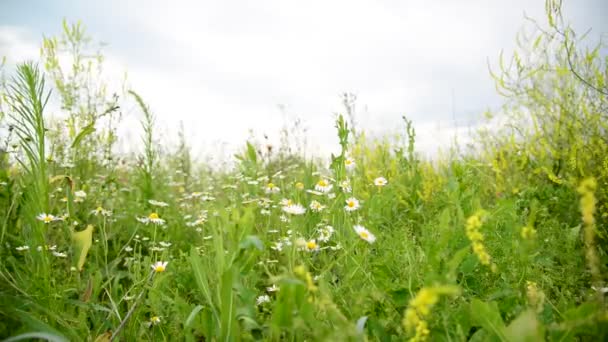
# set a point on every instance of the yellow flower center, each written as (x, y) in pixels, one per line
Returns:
(351, 204)
(153, 216)
(364, 235)
(322, 183)
(155, 319)
(299, 185)
(270, 185)
(47, 219)
(159, 268)
(348, 162)
(311, 245)
(99, 209)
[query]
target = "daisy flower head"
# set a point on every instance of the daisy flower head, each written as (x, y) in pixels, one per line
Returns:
(345, 186)
(299, 185)
(271, 188)
(380, 181)
(349, 163)
(323, 185)
(294, 209)
(46, 218)
(158, 203)
(79, 196)
(159, 266)
(364, 233)
(154, 320)
(316, 206)
(311, 246)
(154, 218)
(352, 204)
(325, 233)
(101, 211)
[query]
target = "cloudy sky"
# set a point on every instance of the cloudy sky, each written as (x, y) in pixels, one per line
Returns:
(224, 67)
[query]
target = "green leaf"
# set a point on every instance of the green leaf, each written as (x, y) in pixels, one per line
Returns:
(525, 328)
(192, 315)
(37, 335)
(82, 243)
(252, 241)
(488, 317)
(87, 130)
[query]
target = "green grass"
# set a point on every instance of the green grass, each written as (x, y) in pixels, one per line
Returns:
(496, 244)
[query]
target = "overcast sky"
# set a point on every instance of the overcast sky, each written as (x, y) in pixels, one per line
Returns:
(223, 67)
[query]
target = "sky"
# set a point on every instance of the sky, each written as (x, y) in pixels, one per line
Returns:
(226, 67)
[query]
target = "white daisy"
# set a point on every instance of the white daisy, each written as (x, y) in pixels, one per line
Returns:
(22, 248)
(345, 186)
(316, 206)
(352, 204)
(158, 203)
(311, 246)
(271, 189)
(154, 218)
(364, 234)
(294, 209)
(325, 233)
(380, 181)
(46, 218)
(349, 163)
(323, 185)
(159, 266)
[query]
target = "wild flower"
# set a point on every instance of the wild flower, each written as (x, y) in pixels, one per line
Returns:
(349, 163)
(345, 186)
(323, 186)
(588, 204)
(364, 234)
(79, 196)
(272, 288)
(153, 217)
(262, 299)
(299, 185)
(272, 189)
(311, 246)
(159, 266)
(528, 232)
(294, 209)
(158, 203)
(155, 320)
(352, 204)
(325, 232)
(22, 248)
(59, 254)
(101, 211)
(316, 206)
(380, 181)
(46, 218)
(472, 227)
(419, 309)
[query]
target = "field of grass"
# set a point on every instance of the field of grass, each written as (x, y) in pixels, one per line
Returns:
(503, 241)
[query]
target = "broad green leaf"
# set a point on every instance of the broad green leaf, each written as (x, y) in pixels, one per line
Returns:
(82, 243)
(488, 317)
(525, 328)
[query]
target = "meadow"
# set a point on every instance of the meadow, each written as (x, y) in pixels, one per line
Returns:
(503, 240)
